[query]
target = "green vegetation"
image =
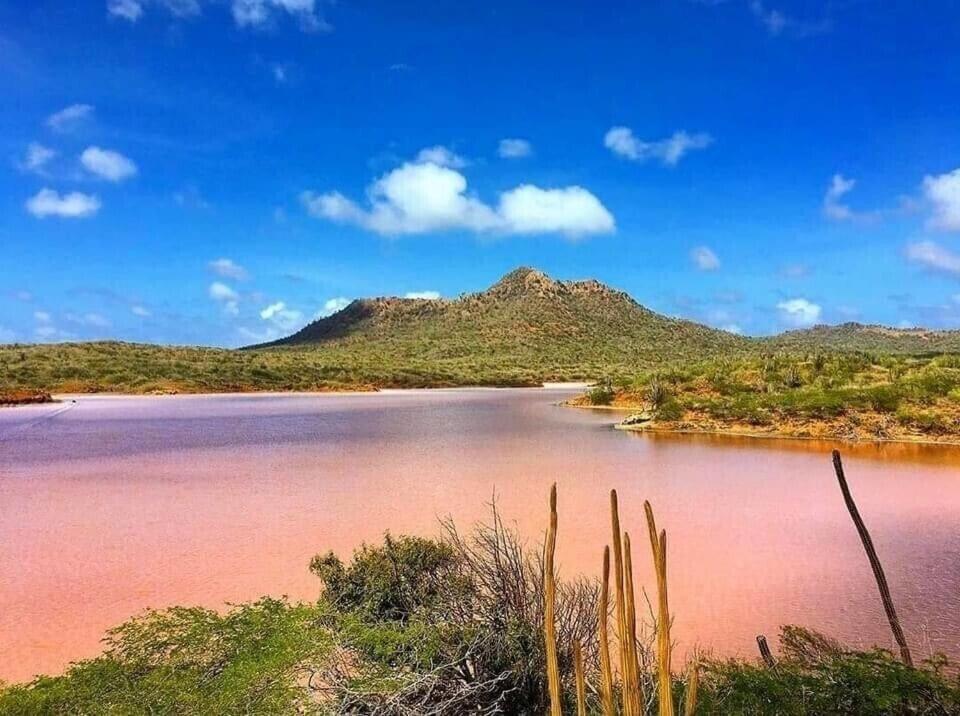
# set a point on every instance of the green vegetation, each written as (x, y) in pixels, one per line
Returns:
(445, 626)
(524, 330)
(855, 395)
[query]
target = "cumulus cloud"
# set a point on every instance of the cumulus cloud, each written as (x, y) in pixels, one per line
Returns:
(425, 196)
(228, 269)
(799, 312)
(428, 295)
(442, 157)
(514, 148)
(933, 256)
(622, 142)
(943, 193)
(141, 311)
(226, 296)
(36, 158)
(74, 205)
(107, 164)
(704, 258)
(68, 117)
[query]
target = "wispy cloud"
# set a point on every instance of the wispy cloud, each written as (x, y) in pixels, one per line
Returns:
(74, 205)
(69, 117)
(224, 295)
(36, 158)
(777, 22)
(622, 142)
(704, 258)
(333, 305)
(933, 256)
(514, 148)
(228, 268)
(427, 195)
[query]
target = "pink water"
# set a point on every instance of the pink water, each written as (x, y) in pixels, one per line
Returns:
(118, 504)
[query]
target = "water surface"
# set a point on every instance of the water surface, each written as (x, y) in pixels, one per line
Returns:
(112, 505)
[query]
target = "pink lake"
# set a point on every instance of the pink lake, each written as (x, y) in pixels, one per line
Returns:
(113, 504)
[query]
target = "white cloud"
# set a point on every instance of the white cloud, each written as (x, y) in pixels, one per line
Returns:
(42, 317)
(223, 294)
(259, 13)
(834, 208)
(94, 320)
(732, 328)
(279, 72)
(74, 205)
(68, 117)
(777, 22)
(282, 317)
(442, 157)
(799, 312)
(514, 148)
(36, 158)
(130, 10)
(141, 311)
(704, 258)
(423, 196)
(943, 192)
(228, 269)
(107, 164)
(622, 142)
(571, 210)
(428, 295)
(933, 256)
(332, 306)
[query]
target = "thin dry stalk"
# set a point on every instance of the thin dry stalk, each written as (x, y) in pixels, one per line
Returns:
(631, 669)
(620, 603)
(603, 614)
(874, 562)
(581, 681)
(549, 612)
(658, 546)
(693, 683)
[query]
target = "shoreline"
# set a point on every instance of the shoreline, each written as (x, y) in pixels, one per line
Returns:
(906, 440)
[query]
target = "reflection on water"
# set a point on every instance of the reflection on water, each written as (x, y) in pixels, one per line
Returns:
(123, 503)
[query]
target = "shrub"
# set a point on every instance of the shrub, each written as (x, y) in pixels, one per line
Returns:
(601, 394)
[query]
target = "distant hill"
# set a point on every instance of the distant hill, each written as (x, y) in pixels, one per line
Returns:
(524, 330)
(526, 320)
(870, 338)
(562, 328)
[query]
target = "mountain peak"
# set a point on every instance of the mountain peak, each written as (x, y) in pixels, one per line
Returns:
(524, 280)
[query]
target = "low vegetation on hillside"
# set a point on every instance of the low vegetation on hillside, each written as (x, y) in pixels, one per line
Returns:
(837, 395)
(524, 330)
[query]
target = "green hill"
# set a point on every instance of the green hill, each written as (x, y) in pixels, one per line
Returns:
(525, 329)
(555, 329)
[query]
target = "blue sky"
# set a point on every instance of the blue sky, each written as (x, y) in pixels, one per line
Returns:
(223, 171)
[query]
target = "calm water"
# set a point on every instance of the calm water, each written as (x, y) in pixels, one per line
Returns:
(116, 504)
